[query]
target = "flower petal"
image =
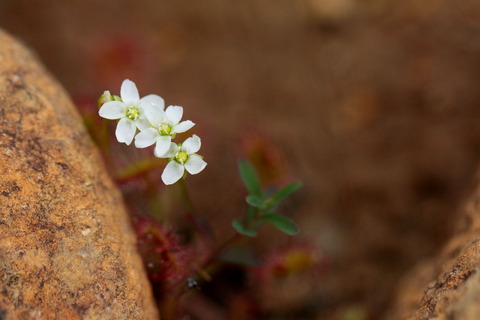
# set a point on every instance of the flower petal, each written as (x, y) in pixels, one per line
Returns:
(192, 144)
(171, 151)
(142, 124)
(172, 172)
(153, 99)
(162, 147)
(174, 114)
(146, 138)
(129, 92)
(112, 110)
(195, 164)
(183, 126)
(125, 130)
(155, 115)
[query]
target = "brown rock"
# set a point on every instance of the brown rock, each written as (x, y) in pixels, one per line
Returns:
(66, 245)
(448, 286)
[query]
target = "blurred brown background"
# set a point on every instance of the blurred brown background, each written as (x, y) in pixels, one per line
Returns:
(373, 104)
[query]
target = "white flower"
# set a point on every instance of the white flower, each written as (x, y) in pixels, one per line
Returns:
(130, 111)
(183, 157)
(164, 126)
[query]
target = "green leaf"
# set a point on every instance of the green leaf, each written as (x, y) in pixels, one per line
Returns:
(282, 223)
(283, 193)
(249, 178)
(240, 228)
(254, 201)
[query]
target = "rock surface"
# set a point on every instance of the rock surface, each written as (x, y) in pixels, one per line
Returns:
(448, 286)
(66, 245)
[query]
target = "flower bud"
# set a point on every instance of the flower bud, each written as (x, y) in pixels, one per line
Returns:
(107, 97)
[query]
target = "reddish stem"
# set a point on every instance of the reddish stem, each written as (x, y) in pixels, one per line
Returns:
(217, 253)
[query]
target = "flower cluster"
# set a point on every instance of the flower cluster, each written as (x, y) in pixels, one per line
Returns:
(155, 126)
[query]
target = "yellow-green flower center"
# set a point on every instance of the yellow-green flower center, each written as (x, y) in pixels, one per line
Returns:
(181, 157)
(165, 129)
(133, 113)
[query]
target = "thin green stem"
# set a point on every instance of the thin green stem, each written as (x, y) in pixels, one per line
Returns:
(195, 220)
(186, 196)
(221, 249)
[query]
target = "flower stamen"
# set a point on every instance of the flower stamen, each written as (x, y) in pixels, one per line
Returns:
(181, 157)
(132, 113)
(165, 129)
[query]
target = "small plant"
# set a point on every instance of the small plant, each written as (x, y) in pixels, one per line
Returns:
(145, 122)
(262, 206)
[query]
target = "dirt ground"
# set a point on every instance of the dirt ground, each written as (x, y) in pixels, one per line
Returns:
(374, 105)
